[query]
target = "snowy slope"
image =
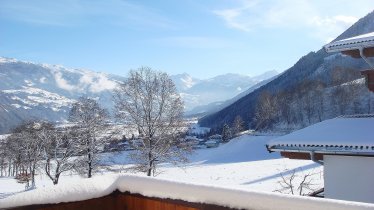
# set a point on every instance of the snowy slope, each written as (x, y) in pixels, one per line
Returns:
(243, 163)
(30, 90)
(244, 148)
(243, 166)
(238, 174)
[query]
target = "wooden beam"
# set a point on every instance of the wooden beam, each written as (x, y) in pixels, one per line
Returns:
(368, 52)
(369, 77)
(301, 155)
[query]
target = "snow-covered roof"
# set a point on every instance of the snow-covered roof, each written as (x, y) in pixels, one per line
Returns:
(357, 42)
(152, 187)
(342, 135)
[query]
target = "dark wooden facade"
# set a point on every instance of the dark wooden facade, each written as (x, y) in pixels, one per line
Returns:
(368, 52)
(369, 74)
(126, 201)
(301, 155)
(369, 77)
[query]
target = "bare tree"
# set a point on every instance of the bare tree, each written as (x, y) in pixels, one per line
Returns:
(319, 99)
(148, 99)
(59, 148)
(13, 154)
(340, 75)
(3, 158)
(266, 111)
(90, 122)
(292, 184)
(285, 100)
(28, 147)
(238, 125)
(345, 90)
(307, 99)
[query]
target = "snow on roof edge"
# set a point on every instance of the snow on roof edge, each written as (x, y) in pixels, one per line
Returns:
(356, 42)
(154, 187)
(351, 133)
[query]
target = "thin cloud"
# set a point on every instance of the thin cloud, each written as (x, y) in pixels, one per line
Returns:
(330, 27)
(314, 16)
(251, 15)
(77, 13)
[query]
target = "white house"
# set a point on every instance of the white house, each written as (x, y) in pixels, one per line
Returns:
(344, 146)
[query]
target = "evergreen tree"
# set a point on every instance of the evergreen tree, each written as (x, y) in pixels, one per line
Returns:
(226, 133)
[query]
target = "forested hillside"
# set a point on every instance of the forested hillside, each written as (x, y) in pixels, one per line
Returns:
(317, 71)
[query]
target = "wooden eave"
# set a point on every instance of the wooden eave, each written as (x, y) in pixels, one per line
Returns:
(317, 156)
(355, 53)
(301, 155)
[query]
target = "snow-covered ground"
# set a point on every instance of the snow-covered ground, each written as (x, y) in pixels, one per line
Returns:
(243, 163)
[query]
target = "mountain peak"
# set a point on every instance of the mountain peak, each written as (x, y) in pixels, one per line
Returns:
(7, 60)
(266, 75)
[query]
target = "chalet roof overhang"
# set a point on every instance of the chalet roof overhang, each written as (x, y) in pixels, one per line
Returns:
(307, 153)
(357, 47)
(348, 135)
(353, 45)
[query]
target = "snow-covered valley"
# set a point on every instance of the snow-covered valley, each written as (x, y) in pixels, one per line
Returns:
(243, 163)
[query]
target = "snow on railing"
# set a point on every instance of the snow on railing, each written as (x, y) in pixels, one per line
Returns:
(165, 189)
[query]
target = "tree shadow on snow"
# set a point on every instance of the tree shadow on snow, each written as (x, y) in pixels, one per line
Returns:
(284, 173)
(238, 157)
(5, 195)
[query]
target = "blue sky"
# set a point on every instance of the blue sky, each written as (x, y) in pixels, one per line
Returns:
(202, 38)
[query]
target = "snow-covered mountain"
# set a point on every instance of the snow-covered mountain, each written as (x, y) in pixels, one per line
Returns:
(219, 105)
(184, 81)
(29, 90)
(213, 91)
(41, 91)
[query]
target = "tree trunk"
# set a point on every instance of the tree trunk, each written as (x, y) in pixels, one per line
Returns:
(55, 181)
(89, 165)
(16, 169)
(9, 168)
(149, 171)
(33, 176)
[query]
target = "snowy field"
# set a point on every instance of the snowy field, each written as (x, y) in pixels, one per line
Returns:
(243, 163)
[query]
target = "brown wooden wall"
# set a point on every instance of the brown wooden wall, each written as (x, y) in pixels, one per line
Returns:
(126, 201)
(368, 52)
(300, 155)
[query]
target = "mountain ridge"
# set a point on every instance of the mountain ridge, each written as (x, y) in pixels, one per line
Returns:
(31, 90)
(314, 65)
